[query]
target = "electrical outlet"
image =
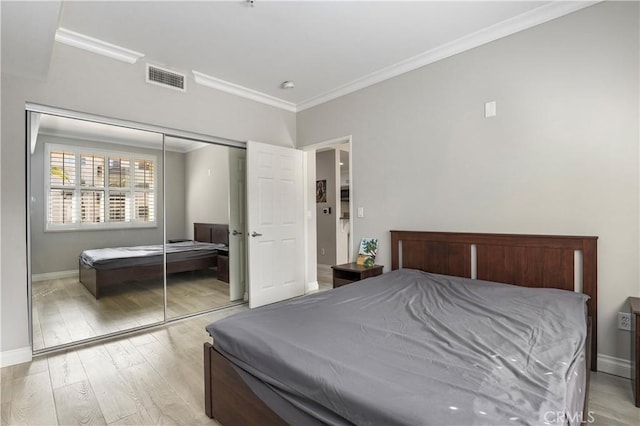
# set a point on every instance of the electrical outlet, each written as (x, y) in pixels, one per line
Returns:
(624, 321)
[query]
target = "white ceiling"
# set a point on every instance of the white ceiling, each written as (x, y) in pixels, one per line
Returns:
(28, 56)
(327, 48)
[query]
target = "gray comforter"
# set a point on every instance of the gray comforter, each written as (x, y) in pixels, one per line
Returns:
(414, 348)
(119, 257)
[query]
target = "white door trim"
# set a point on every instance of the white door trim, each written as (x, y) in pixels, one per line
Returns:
(310, 224)
(237, 224)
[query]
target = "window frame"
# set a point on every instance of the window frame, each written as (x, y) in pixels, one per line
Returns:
(77, 188)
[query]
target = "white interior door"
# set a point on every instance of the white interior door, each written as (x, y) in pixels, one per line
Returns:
(237, 223)
(275, 223)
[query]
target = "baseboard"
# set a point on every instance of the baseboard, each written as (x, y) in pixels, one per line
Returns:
(54, 275)
(312, 286)
(616, 366)
(16, 356)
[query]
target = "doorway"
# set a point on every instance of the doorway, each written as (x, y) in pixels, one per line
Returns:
(329, 205)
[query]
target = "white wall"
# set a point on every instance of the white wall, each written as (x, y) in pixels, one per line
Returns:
(343, 226)
(176, 190)
(207, 183)
(1, 254)
(82, 81)
(561, 157)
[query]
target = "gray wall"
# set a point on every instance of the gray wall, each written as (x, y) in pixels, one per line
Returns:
(82, 81)
(561, 157)
(326, 223)
(207, 179)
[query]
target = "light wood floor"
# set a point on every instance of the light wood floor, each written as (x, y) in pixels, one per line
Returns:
(157, 378)
(64, 311)
(325, 277)
(150, 378)
(611, 401)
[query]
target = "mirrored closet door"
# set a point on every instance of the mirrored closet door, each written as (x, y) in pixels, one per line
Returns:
(200, 184)
(128, 228)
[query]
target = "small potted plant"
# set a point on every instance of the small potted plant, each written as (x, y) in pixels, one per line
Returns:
(367, 252)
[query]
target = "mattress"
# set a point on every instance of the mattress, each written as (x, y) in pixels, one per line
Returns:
(121, 257)
(415, 348)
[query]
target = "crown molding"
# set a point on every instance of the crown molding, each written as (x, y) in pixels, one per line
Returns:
(94, 45)
(235, 89)
(502, 29)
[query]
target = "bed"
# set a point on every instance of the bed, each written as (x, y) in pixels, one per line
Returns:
(514, 354)
(103, 268)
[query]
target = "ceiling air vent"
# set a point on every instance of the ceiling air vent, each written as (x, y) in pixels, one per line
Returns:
(165, 78)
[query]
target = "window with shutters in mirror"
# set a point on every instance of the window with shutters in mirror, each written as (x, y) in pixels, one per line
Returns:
(91, 189)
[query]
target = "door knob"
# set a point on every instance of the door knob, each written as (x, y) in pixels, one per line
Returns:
(255, 234)
(236, 232)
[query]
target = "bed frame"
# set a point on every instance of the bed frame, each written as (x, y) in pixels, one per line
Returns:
(96, 280)
(525, 260)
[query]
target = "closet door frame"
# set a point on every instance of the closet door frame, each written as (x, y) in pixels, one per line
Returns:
(32, 123)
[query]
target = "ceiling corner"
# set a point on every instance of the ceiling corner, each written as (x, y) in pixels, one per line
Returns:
(540, 15)
(28, 30)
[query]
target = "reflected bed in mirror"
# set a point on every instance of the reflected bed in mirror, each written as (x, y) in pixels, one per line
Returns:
(107, 267)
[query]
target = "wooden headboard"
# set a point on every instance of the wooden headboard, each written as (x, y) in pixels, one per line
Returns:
(211, 233)
(524, 260)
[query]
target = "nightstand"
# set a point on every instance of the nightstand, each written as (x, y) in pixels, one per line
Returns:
(223, 265)
(634, 304)
(351, 272)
